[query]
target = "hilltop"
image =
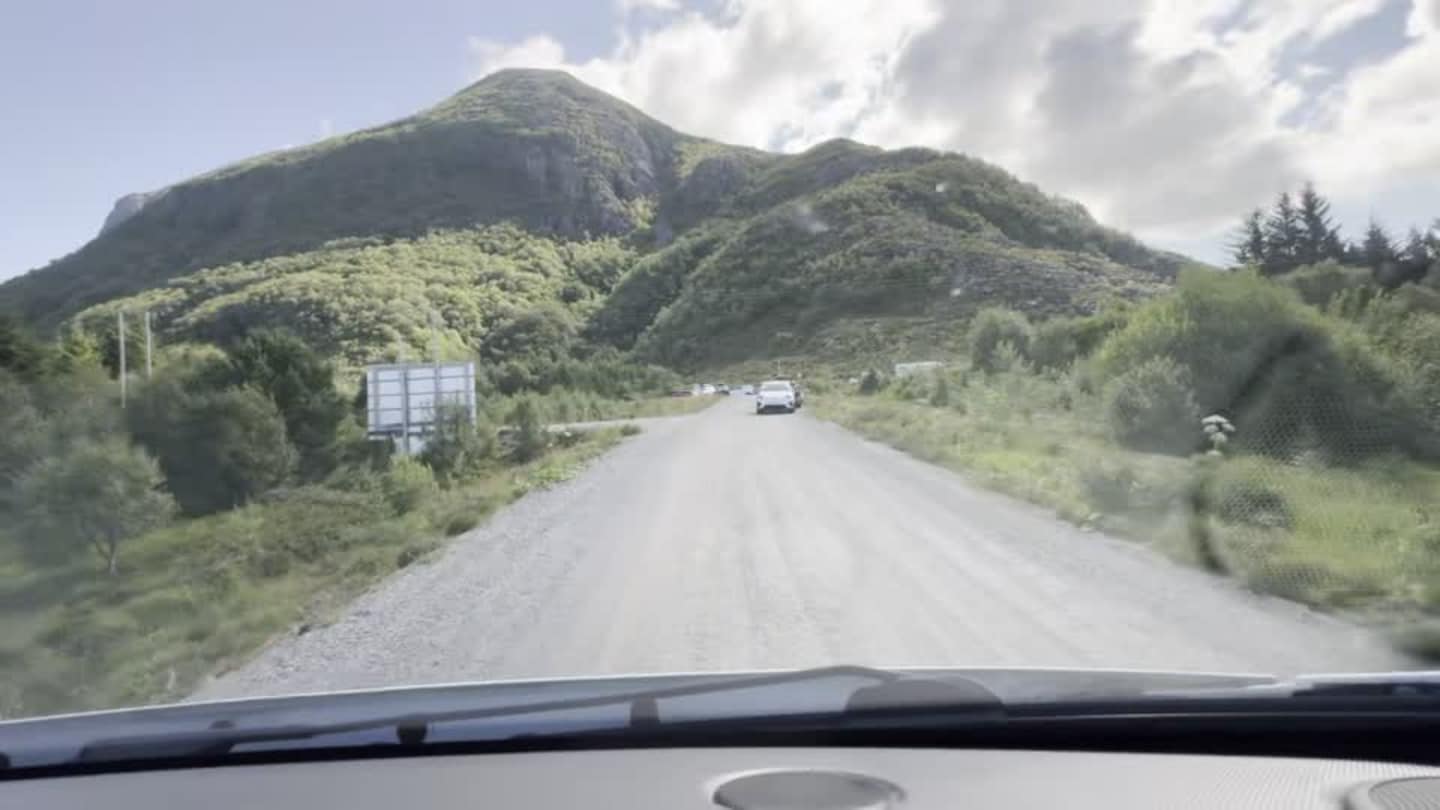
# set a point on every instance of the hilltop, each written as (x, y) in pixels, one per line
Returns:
(702, 240)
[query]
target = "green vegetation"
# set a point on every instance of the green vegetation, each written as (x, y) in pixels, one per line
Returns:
(204, 593)
(285, 509)
(1321, 496)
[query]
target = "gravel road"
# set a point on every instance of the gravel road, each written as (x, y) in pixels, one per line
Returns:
(725, 540)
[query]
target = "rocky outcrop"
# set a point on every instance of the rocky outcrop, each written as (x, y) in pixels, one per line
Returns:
(127, 207)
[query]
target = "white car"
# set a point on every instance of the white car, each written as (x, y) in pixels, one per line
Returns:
(775, 395)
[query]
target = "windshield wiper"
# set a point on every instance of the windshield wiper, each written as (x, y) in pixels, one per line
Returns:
(891, 692)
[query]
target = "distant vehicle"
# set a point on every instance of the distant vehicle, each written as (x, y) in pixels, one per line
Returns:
(775, 395)
(748, 390)
(722, 389)
(706, 388)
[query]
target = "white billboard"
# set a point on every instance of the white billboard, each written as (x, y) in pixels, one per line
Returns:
(400, 399)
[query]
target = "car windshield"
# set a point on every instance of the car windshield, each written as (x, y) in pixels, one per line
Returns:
(349, 350)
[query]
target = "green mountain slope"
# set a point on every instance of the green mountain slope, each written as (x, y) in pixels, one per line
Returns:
(686, 249)
(534, 147)
(847, 230)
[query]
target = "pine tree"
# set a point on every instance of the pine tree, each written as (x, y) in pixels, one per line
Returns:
(1249, 247)
(1319, 239)
(1378, 249)
(1283, 237)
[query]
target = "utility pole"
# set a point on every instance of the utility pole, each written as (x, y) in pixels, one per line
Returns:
(149, 368)
(120, 332)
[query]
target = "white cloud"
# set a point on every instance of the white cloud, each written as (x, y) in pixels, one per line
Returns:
(1164, 116)
(658, 5)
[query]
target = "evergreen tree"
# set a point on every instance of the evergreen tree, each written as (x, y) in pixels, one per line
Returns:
(1319, 238)
(1284, 234)
(1249, 247)
(1377, 249)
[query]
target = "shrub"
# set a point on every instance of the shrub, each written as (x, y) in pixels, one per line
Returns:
(408, 484)
(1109, 487)
(531, 437)
(993, 327)
(1318, 284)
(412, 553)
(1151, 408)
(940, 394)
(1053, 345)
(870, 382)
(1290, 377)
(630, 429)
(461, 521)
(1251, 503)
(459, 447)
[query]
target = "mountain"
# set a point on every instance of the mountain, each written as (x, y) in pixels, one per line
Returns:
(645, 237)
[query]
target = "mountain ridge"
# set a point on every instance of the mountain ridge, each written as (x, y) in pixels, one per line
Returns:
(559, 159)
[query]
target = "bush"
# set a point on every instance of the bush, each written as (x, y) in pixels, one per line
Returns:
(412, 553)
(1251, 503)
(990, 330)
(630, 429)
(218, 449)
(1151, 408)
(940, 394)
(1290, 378)
(408, 484)
(531, 437)
(870, 382)
(459, 447)
(460, 522)
(1318, 284)
(1109, 487)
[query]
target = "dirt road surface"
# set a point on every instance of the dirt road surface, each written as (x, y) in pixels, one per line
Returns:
(725, 540)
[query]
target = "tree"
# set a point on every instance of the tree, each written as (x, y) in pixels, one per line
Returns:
(22, 433)
(20, 353)
(1377, 249)
(218, 449)
(1414, 259)
(96, 494)
(1250, 247)
(1319, 238)
(302, 384)
(1284, 235)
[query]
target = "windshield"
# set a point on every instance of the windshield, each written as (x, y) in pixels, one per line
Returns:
(347, 351)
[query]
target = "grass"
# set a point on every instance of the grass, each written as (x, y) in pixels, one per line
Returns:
(1365, 539)
(202, 595)
(580, 408)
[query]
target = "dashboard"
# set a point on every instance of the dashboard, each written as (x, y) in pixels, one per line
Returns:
(758, 779)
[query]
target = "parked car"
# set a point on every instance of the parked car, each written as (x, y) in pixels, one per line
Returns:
(722, 389)
(775, 395)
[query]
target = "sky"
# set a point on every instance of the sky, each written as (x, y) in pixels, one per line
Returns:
(1167, 118)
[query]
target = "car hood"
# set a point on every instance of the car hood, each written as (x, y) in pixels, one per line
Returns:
(776, 396)
(56, 739)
